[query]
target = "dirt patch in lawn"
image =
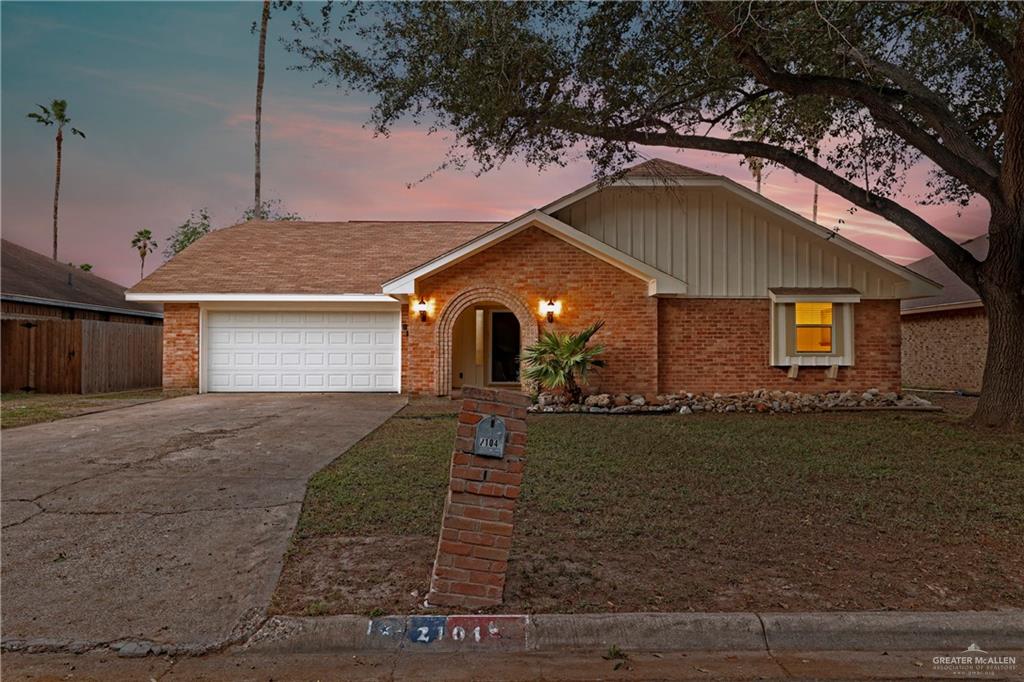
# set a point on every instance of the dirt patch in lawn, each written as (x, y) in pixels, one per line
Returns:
(355, 575)
(676, 513)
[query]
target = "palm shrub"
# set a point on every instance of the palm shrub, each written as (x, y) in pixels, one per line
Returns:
(562, 361)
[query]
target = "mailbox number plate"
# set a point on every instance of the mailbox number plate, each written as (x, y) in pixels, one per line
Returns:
(490, 438)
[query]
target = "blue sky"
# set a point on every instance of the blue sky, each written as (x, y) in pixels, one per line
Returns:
(165, 93)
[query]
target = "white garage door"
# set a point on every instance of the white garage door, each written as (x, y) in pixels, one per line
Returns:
(303, 351)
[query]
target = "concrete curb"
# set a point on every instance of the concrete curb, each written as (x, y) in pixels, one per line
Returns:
(894, 631)
(659, 632)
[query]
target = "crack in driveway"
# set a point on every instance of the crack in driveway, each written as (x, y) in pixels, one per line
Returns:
(144, 570)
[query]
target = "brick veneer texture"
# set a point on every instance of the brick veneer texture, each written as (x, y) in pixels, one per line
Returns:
(708, 345)
(181, 345)
(945, 350)
(476, 528)
(534, 266)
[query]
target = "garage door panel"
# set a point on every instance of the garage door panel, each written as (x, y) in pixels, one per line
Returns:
(303, 351)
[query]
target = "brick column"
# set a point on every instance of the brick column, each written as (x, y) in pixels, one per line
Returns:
(476, 530)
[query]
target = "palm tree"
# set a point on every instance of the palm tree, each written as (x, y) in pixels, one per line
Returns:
(260, 74)
(144, 243)
(56, 115)
(563, 361)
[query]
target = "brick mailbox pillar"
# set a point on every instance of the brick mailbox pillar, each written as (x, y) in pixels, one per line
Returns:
(476, 530)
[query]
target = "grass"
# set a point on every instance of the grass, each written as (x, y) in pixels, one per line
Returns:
(23, 409)
(711, 512)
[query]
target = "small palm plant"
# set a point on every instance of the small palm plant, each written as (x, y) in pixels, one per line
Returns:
(560, 361)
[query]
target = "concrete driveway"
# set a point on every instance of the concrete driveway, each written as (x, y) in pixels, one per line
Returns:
(164, 522)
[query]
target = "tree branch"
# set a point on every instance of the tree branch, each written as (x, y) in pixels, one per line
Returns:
(868, 96)
(963, 13)
(958, 259)
(931, 107)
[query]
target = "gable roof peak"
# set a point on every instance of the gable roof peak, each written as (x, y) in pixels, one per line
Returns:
(662, 168)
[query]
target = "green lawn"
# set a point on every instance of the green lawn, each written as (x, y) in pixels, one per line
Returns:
(22, 409)
(710, 512)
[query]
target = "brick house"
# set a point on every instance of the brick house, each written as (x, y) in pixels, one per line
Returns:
(945, 337)
(703, 285)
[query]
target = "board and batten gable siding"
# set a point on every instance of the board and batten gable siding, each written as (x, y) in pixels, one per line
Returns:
(720, 243)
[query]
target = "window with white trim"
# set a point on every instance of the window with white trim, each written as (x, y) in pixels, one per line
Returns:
(812, 327)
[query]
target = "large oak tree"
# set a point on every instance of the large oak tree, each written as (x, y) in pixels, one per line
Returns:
(849, 95)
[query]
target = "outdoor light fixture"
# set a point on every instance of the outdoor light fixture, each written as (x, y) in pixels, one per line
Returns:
(421, 308)
(550, 309)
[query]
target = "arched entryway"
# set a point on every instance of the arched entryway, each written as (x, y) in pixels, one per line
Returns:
(487, 301)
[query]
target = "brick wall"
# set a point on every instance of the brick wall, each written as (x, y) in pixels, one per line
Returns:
(181, 345)
(945, 350)
(707, 345)
(534, 265)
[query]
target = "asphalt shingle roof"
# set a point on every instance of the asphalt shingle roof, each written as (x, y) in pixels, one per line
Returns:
(23, 272)
(303, 257)
(954, 289)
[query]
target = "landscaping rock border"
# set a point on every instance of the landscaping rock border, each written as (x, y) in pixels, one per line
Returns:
(760, 401)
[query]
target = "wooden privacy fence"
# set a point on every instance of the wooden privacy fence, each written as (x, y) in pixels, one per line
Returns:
(79, 356)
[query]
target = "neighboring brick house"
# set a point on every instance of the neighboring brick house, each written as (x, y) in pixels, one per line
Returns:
(945, 337)
(703, 285)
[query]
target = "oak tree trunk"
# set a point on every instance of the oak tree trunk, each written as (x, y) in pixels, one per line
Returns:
(260, 74)
(56, 191)
(1002, 291)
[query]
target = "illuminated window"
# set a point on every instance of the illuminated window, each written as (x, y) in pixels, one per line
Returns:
(813, 327)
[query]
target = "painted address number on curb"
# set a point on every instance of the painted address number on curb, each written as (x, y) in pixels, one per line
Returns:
(452, 631)
(486, 629)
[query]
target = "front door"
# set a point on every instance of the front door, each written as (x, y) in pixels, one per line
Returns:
(504, 347)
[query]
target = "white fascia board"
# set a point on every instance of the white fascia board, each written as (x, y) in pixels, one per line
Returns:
(942, 307)
(919, 286)
(406, 283)
(814, 298)
(658, 282)
(261, 298)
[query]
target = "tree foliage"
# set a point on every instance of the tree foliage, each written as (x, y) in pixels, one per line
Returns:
(270, 209)
(874, 87)
(56, 114)
(197, 225)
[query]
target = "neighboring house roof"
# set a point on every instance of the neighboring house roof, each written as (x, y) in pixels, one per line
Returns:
(30, 277)
(302, 257)
(955, 293)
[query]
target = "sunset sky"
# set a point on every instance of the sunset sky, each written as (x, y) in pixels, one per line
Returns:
(165, 92)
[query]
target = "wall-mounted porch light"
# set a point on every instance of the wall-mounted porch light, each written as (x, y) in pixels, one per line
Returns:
(549, 309)
(421, 308)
